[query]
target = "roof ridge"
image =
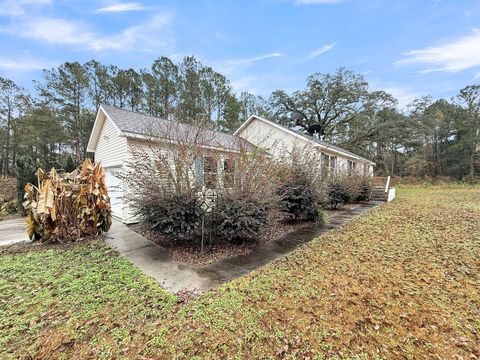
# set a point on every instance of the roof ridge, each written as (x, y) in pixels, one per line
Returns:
(136, 112)
(163, 119)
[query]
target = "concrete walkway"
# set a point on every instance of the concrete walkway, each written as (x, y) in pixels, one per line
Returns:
(231, 268)
(154, 261)
(13, 231)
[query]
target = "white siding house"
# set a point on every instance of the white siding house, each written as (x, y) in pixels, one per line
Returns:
(116, 132)
(280, 141)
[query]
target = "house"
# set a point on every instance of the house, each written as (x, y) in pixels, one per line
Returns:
(279, 140)
(117, 132)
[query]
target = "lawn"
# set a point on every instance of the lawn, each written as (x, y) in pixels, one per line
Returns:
(400, 282)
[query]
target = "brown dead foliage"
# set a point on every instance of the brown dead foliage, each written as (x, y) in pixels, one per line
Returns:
(8, 188)
(68, 207)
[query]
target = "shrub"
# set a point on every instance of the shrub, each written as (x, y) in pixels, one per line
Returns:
(8, 188)
(176, 216)
(344, 189)
(8, 196)
(338, 194)
(364, 188)
(177, 193)
(8, 207)
(237, 219)
(187, 191)
(25, 169)
(468, 179)
(300, 186)
(298, 199)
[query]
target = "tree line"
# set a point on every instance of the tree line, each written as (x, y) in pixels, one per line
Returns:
(52, 127)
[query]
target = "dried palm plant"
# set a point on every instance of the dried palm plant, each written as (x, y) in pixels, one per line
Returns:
(68, 207)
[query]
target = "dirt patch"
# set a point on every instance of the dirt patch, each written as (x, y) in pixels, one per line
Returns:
(191, 255)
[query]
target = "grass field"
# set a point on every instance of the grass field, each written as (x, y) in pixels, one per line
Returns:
(400, 282)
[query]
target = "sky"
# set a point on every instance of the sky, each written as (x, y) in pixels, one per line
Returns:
(410, 48)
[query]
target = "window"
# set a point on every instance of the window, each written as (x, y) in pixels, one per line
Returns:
(228, 173)
(333, 163)
(366, 169)
(352, 166)
(329, 164)
(210, 170)
(199, 173)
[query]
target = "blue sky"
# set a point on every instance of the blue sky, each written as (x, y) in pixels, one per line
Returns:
(410, 48)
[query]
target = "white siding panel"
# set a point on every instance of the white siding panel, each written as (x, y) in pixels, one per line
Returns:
(276, 142)
(111, 147)
(280, 143)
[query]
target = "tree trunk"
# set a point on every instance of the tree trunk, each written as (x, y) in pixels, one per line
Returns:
(472, 163)
(7, 140)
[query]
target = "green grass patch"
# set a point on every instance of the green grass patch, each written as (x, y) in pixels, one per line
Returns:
(58, 289)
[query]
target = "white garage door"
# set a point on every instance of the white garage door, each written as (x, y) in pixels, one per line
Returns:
(115, 190)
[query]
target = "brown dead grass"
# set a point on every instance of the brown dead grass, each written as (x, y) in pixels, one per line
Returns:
(401, 282)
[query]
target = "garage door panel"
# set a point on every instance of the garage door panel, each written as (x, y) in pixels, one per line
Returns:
(115, 190)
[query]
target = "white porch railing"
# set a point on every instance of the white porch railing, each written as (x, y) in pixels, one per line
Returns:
(390, 192)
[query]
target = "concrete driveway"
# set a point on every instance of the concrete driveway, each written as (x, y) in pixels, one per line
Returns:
(13, 231)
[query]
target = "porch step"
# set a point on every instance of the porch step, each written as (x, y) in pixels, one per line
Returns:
(378, 193)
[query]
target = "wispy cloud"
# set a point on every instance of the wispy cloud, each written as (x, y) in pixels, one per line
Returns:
(121, 7)
(54, 31)
(27, 64)
(144, 36)
(245, 83)
(253, 59)
(310, 2)
(17, 7)
(230, 65)
(453, 56)
(404, 96)
(320, 51)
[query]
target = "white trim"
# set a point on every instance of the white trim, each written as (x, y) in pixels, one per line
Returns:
(95, 134)
(299, 136)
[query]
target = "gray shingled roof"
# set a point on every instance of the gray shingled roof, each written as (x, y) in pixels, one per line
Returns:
(134, 124)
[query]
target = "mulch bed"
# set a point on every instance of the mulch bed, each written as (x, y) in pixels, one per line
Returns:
(191, 255)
